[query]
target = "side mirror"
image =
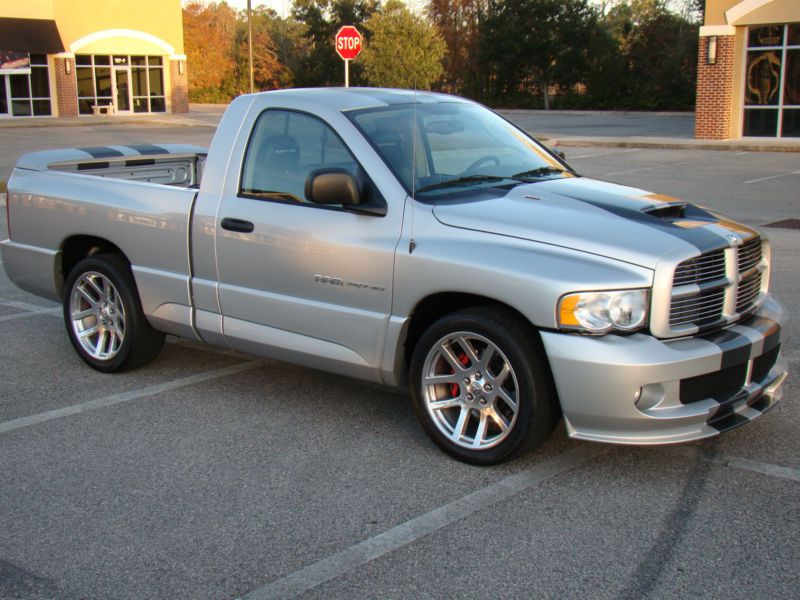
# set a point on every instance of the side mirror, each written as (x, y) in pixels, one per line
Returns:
(332, 186)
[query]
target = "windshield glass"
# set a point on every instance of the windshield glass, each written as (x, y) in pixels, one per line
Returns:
(442, 147)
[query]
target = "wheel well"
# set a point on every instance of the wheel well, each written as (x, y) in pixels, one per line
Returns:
(436, 306)
(76, 248)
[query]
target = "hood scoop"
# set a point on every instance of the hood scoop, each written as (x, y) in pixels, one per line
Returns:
(673, 210)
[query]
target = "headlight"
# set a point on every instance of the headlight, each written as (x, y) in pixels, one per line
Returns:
(600, 312)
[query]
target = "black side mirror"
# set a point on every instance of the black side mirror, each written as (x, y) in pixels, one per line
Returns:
(332, 186)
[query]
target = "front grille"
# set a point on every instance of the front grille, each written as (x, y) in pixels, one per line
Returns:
(704, 268)
(702, 287)
(749, 255)
(748, 292)
(702, 309)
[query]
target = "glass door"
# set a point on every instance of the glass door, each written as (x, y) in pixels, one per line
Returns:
(123, 89)
(3, 96)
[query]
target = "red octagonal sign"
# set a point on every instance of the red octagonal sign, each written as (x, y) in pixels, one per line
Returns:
(348, 42)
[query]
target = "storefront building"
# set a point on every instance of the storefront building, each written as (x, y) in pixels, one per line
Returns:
(82, 57)
(748, 76)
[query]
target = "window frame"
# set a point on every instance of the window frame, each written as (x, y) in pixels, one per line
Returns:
(783, 49)
(363, 176)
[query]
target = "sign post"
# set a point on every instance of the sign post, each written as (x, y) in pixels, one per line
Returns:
(348, 45)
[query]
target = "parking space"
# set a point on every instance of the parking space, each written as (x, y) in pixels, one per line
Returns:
(212, 474)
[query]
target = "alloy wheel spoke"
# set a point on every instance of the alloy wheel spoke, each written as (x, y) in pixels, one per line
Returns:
(506, 397)
(447, 353)
(87, 296)
(446, 378)
(461, 425)
(101, 343)
(466, 345)
(481, 432)
(499, 420)
(501, 377)
(445, 403)
(89, 332)
(100, 292)
(89, 312)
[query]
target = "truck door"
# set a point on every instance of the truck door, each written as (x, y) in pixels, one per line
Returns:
(297, 280)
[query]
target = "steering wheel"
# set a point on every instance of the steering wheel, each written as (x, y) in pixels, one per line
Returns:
(481, 161)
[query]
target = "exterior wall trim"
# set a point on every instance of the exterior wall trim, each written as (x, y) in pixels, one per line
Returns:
(709, 30)
(744, 8)
(117, 33)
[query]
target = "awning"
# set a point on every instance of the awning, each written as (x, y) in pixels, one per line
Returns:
(39, 36)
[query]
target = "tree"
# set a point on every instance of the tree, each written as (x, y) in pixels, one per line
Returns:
(403, 50)
(209, 33)
(459, 24)
(535, 45)
(322, 19)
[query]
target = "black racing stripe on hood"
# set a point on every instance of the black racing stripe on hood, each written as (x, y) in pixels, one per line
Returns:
(147, 148)
(699, 237)
(101, 152)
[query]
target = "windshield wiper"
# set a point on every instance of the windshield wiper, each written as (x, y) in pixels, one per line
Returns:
(538, 172)
(466, 180)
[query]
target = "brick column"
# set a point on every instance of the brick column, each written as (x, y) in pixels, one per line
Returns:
(180, 86)
(712, 119)
(66, 87)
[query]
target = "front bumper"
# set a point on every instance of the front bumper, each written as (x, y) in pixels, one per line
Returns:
(641, 390)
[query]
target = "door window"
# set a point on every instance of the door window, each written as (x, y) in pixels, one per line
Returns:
(284, 148)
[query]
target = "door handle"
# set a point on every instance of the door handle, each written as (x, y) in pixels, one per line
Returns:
(237, 225)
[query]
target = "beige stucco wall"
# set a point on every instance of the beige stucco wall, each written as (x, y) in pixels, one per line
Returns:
(752, 12)
(123, 26)
(27, 9)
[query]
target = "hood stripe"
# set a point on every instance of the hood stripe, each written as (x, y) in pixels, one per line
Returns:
(700, 237)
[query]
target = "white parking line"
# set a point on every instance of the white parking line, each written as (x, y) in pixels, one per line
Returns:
(26, 305)
(676, 164)
(603, 153)
(56, 312)
(355, 556)
(150, 390)
(773, 177)
(755, 466)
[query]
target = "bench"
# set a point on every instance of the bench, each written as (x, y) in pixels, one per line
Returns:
(103, 109)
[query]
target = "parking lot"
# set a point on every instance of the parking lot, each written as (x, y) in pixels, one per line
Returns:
(212, 474)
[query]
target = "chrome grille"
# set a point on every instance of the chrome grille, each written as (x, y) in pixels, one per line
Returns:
(702, 309)
(749, 255)
(707, 293)
(748, 292)
(708, 267)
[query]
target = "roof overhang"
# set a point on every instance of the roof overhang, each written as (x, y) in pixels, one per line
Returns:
(37, 36)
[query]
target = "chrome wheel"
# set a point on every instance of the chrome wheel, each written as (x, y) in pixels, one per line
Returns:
(97, 315)
(470, 390)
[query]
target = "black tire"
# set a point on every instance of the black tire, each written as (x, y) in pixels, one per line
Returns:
(124, 340)
(482, 392)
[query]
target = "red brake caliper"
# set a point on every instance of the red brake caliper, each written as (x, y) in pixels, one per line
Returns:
(454, 388)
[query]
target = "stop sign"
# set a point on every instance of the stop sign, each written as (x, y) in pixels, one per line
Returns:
(348, 42)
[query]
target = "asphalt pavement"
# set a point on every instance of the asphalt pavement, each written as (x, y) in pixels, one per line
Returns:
(213, 474)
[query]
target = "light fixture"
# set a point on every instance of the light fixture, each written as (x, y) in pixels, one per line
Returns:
(67, 66)
(711, 56)
(181, 67)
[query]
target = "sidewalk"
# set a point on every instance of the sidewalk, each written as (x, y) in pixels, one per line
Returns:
(617, 129)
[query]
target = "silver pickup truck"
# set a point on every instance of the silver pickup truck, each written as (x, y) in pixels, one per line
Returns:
(410, 239)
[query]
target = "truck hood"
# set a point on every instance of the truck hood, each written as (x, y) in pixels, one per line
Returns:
(593, 216)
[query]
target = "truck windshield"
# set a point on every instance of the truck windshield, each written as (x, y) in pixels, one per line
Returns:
(441, 148)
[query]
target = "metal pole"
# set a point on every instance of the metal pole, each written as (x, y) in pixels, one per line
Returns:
(250, 45)
(346, 73)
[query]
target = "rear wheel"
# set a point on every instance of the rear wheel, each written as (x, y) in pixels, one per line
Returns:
(480, 386)
(104, 317)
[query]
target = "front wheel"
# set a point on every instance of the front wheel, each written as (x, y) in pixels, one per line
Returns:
(480, 386)
(104, 317)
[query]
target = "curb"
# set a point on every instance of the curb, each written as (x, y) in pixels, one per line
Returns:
(735, 145)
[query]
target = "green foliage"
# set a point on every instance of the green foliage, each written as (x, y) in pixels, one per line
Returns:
(404, 50)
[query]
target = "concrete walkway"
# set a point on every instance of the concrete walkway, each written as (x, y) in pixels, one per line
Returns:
(621, 129)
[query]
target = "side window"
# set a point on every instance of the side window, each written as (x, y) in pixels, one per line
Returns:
(284, 149)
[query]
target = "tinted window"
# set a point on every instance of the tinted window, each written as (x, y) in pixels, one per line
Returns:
(284, 149)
